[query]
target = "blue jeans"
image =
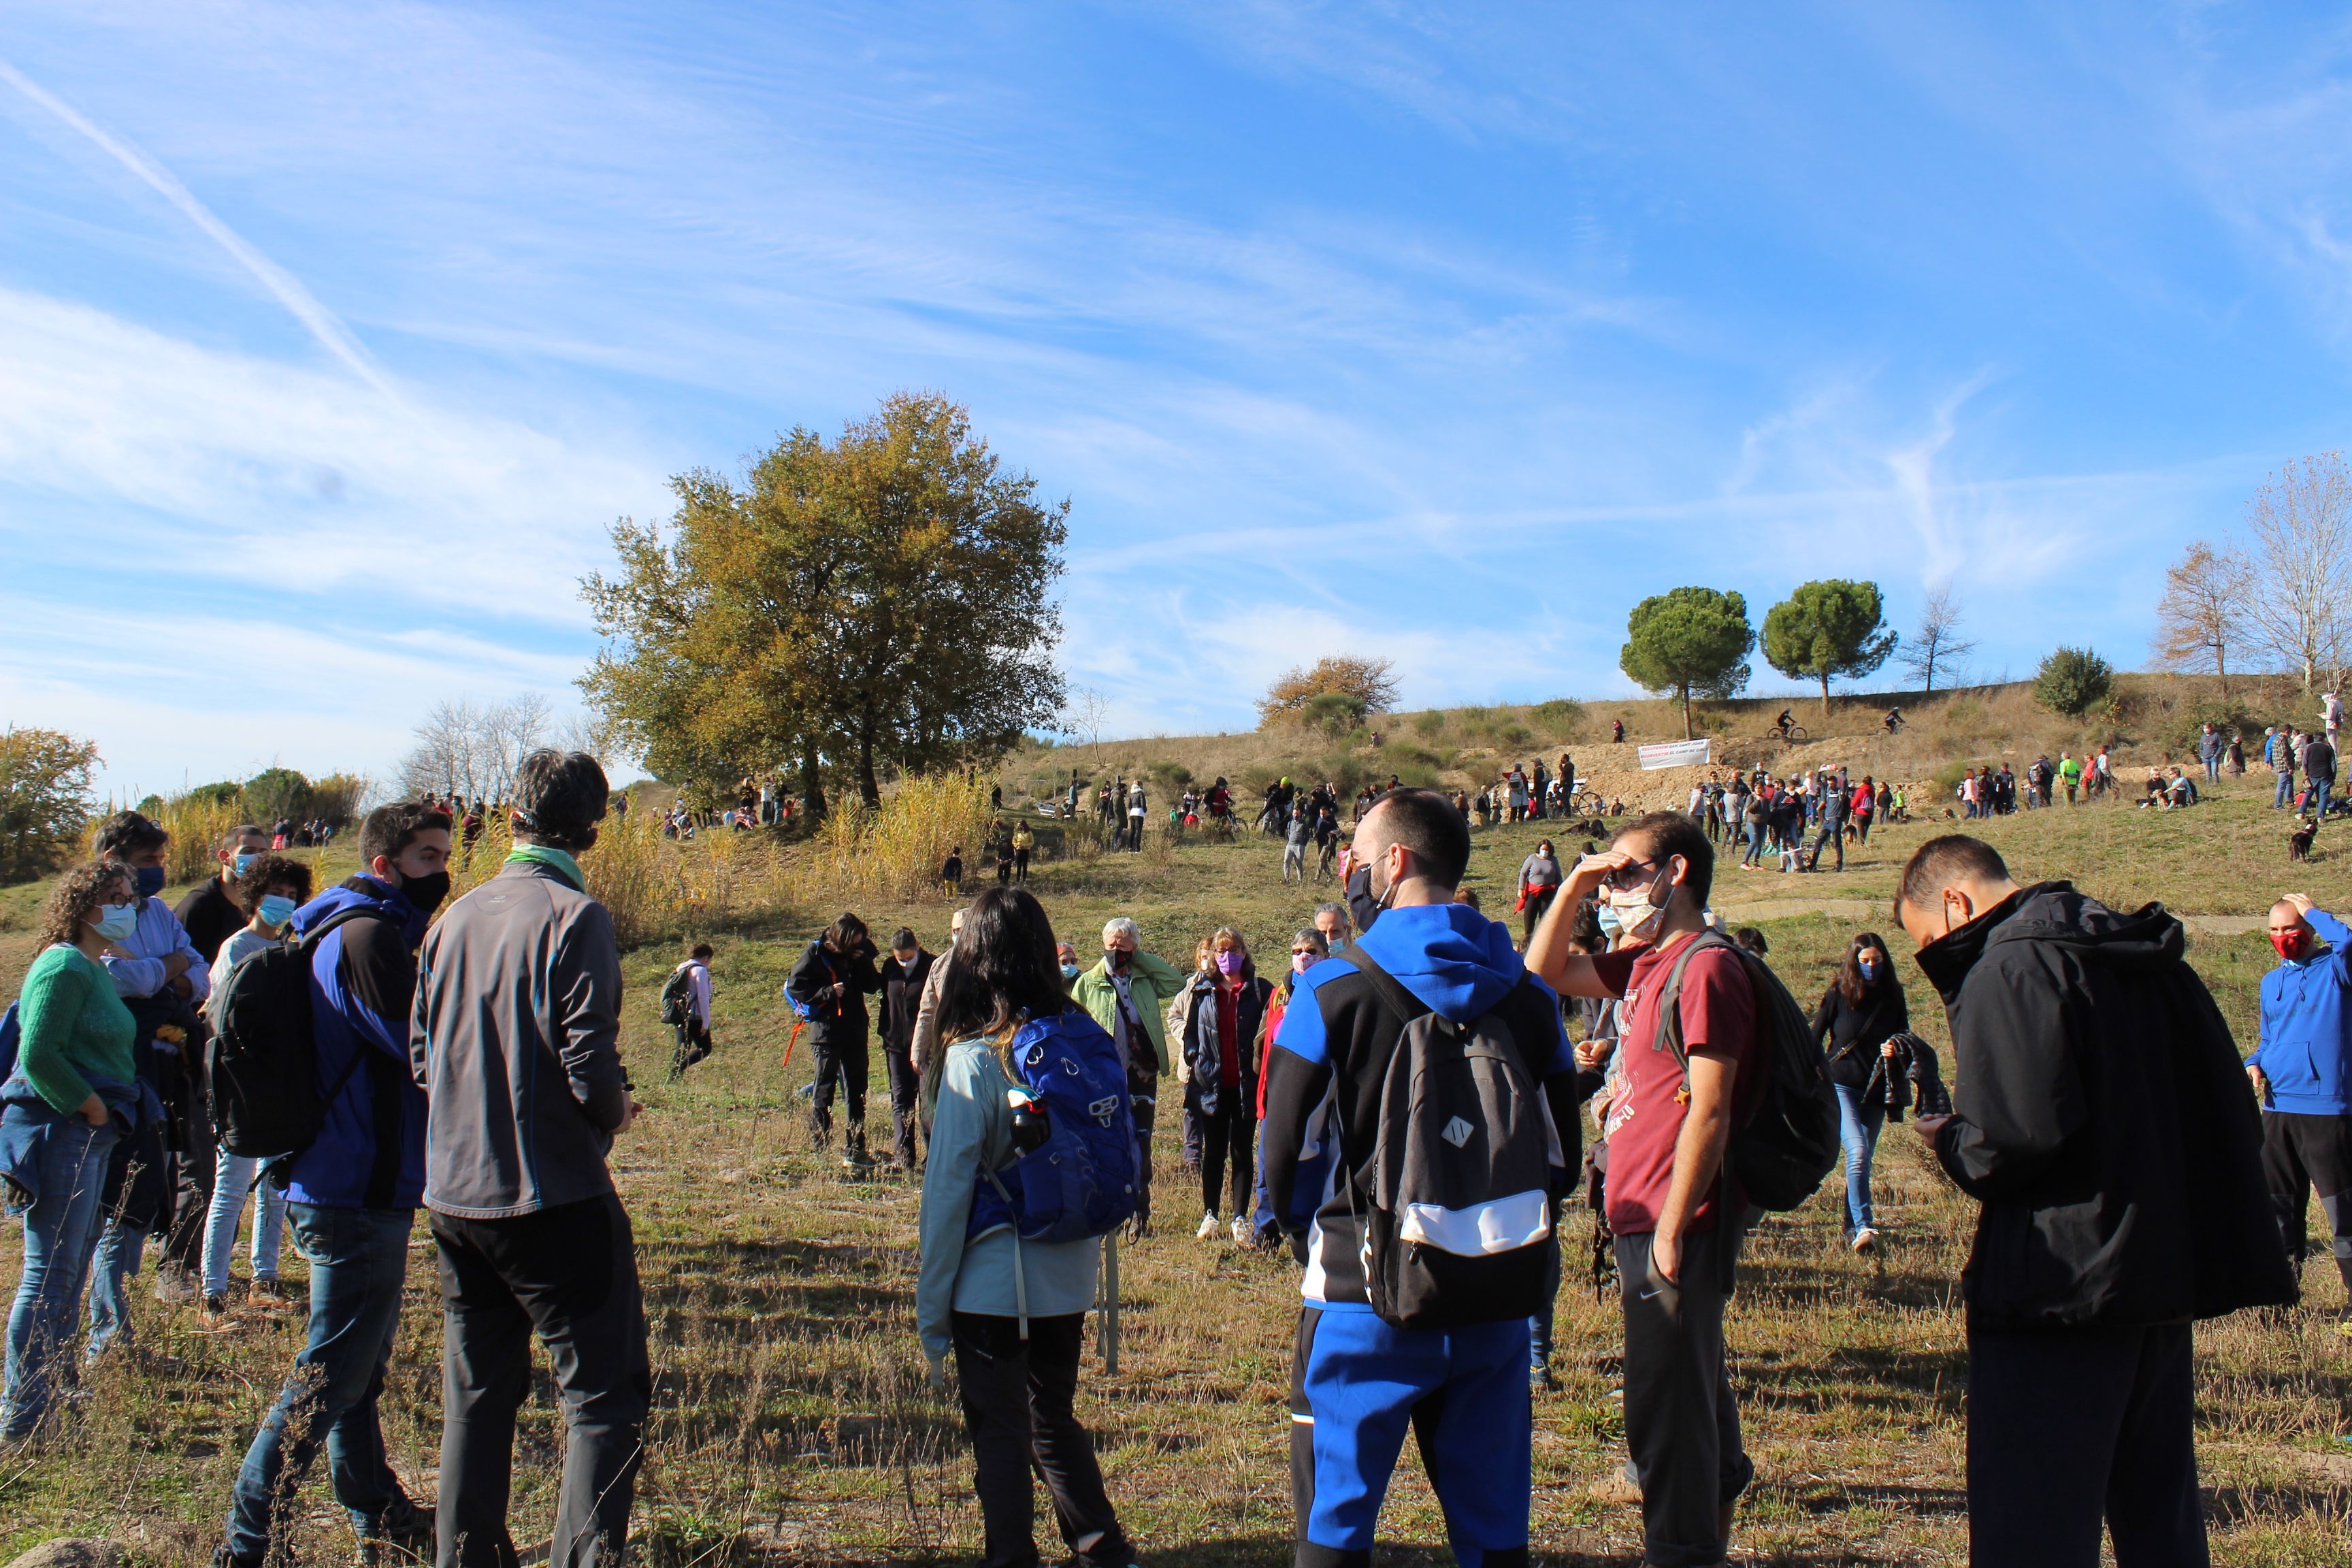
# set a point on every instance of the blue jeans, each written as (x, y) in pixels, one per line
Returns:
(120, 1247)
(59, 1230)
(232, 1178)
(359, 1261)
(2212, 769)
(2285, 795)
(1858, 1124)
(2319, 788)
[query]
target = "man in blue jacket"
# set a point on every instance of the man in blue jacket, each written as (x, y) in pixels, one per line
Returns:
(2300, 1073)
(1358, 1382)
(352, 1197)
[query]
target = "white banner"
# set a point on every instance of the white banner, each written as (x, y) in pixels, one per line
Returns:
(1675, 754)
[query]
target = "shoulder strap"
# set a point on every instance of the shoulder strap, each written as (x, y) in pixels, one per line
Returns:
(308, 949)
(1389, 988)
(1669, 996)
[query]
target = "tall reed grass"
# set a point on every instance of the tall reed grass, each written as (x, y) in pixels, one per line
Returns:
(896, 851)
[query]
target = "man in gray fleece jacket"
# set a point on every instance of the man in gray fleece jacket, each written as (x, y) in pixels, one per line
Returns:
(514, 1038)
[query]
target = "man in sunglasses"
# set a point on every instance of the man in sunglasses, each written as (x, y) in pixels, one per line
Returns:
(1675, 1211)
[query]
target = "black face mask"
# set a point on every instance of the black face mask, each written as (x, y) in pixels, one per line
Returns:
(427, 891)
(1365, 908)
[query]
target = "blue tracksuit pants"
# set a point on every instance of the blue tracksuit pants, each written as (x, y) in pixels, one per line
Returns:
(1357, 1383)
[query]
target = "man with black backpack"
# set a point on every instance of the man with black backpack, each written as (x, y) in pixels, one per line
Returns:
(1695, 1063)
(1439, 1068)
(2103, 1120)
(352, 1195)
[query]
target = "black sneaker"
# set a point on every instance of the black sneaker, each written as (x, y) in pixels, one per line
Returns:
(400, 1534)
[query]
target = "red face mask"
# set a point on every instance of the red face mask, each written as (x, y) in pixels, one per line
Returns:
(2292, 944)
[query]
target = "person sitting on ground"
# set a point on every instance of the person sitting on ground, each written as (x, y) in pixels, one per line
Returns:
(272, 888)
(1013, 1313)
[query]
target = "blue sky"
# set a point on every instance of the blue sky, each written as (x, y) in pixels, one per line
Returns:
(332, 337)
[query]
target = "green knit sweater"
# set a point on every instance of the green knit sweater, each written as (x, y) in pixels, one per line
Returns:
(73, 1024)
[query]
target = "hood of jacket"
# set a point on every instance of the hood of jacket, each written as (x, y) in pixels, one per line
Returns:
(367, 892)
(2054, 912)
(1449, 956)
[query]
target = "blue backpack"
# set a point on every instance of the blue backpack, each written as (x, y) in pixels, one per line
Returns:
(1080, 1183)
(804, 1011)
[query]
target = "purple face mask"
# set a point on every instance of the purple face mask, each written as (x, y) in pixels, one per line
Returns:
(1229, 964)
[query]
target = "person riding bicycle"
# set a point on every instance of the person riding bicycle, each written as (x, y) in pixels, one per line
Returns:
(1893, 720)
(1785, 723)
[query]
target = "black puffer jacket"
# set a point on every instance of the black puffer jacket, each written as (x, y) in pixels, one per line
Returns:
(834, 1021)
(1856, 1030)
(2103, 1120)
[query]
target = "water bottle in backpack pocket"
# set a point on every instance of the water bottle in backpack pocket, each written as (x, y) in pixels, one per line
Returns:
(1079, 1181)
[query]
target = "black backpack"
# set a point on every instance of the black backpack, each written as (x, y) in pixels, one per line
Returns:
(1779, 1153)
(674, 993)
(263, 1059)
(1458, 1225)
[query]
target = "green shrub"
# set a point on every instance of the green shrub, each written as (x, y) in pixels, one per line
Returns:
(1334, 712)
(2073, 681)
(1559, 715)
(1430, 724)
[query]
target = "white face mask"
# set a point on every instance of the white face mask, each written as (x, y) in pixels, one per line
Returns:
(1637, 914)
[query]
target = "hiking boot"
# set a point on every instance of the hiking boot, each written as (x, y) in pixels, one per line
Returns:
(1207, 1231)
(853, 1152)
(215, 1311)
(820, 1131)
(401, 1534)
(270, 1294)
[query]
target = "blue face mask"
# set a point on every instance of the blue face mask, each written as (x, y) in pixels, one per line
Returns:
(1868, 967)
(276, 910)
(244, 862)
(149, 879)
(116, 923)
(1069, 972)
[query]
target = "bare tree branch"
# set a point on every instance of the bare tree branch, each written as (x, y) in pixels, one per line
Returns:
(2200, 622)
(2302, 526)
(1938, 645)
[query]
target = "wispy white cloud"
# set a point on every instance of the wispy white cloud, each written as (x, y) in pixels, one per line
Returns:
(283, 286)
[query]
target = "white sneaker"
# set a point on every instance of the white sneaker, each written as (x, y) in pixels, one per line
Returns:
(1245, 1233)
(1865, 1240)
(1207, 1231)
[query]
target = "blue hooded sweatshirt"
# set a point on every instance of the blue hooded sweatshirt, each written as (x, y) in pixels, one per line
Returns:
(2303, 1044)
(371, 1152)
(1461, 965)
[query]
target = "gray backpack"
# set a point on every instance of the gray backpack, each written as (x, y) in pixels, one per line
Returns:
(1458, 1225)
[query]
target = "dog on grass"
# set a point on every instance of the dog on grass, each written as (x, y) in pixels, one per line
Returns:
(2298, 843)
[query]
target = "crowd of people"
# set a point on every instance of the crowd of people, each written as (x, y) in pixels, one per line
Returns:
(468, 1066)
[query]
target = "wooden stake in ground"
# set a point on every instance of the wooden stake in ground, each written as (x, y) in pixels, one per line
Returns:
(1107, 1305)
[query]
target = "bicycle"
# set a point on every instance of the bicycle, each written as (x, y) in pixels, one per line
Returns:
(1792, 733)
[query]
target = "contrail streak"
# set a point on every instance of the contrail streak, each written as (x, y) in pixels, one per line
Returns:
(323, 325)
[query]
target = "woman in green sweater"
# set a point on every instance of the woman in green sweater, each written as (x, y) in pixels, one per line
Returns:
(74, 1070)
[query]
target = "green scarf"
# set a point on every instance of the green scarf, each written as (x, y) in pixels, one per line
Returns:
(556, 859)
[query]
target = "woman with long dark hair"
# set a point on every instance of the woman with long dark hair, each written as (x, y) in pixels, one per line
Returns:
(1860, 1016)
(1011, 1309)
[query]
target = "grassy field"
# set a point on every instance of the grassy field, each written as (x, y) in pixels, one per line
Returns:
(793, 1423)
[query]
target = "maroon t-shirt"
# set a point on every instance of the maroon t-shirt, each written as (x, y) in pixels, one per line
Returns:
(1643, 1118)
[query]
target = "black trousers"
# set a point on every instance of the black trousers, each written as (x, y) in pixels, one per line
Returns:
(2068, 1428)
(1229, 1135)
(1016, 1396)
(1538, 902)
(570, 1273)
(1827, 838)
(1682, 1421)
(693, 1045)
(1143, 1095)
(2301, 1152)
(906, 1097)
(842, 1064)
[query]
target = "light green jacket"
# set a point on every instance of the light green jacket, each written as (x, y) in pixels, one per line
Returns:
(1153, 984)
